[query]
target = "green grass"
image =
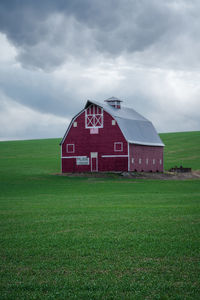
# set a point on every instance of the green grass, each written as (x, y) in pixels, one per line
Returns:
(182, 148)
(95, 238)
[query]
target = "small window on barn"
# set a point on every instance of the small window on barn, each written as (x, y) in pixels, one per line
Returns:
(132, 160)
(160, 161)
(154, 161)
(140, 161)
(75, 124)
(113, 122)
(147, 161)
(118, 146)
(94, 130)
(70, 148)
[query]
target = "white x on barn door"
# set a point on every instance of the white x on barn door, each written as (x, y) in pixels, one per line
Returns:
(94, 117)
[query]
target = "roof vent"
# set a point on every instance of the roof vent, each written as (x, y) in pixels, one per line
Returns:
(114, 102)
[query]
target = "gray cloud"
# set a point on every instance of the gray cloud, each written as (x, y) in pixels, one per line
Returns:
(27, 123)
(51, 32)
(58, 54)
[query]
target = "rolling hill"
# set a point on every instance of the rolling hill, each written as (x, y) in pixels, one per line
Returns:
(182, 148)
(43, 156)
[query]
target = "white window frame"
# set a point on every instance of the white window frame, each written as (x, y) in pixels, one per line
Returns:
(140, 161)
(132, 160)
(154, 161)
(160, 161)
(118, 143)
(94, 155)
(113, 122)
(68, 149)
(75, 124)
(147, 161)
(94, 118)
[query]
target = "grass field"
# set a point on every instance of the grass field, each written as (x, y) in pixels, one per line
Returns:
(182, 148)
(97, 238)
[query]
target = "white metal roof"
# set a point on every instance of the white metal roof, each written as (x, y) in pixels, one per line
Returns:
(135, 128)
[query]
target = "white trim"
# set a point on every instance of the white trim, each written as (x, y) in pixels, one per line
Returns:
(95, 118)
(73, 156)
(67, 151)
(146, 144)
(114, 155)
(94, 155)
(115, 143)
(75, 124)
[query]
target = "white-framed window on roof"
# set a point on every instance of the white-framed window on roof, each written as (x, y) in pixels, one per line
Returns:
(118, 146)
(94, 117)
(75, 124)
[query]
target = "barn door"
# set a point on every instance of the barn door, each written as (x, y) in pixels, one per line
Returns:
(94, 161)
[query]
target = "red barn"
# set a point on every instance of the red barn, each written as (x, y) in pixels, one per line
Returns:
(109, 137)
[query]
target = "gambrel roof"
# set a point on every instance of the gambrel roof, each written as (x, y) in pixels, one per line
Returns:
(135, 128)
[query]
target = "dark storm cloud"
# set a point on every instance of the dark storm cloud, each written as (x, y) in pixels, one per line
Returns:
(56, 54)
(47, 33)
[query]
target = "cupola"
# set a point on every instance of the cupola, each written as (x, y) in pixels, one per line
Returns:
(114, 102)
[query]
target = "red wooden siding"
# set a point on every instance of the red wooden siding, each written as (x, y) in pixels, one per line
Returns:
(145, 158)
(86, 141)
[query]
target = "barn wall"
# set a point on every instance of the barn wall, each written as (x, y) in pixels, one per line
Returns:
(102, 143)
(139, 155)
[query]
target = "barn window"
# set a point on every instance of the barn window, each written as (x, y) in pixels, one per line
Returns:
(75, 124)
(113, 122)
(140, 161)
(70, 148)
(160, 161)
(132, 160)
(147, 161)
(94, 130)
(154, 161)
(94, 117)
(118, 146)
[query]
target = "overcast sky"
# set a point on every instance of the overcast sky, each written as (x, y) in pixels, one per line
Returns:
(54, 55)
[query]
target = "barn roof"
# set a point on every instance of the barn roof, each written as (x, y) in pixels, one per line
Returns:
(135, 128)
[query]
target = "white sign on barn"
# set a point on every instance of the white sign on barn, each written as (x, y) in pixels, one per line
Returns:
(82, 160)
